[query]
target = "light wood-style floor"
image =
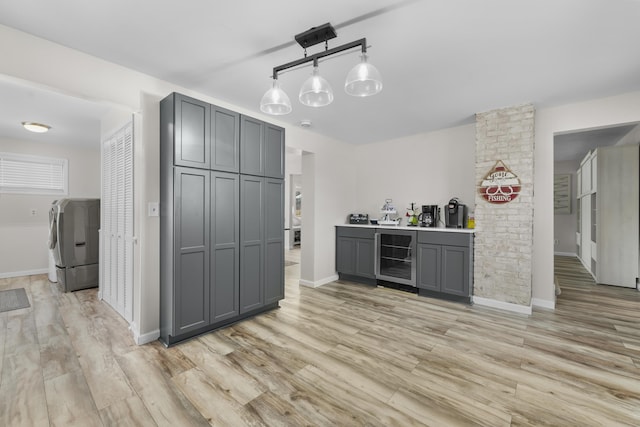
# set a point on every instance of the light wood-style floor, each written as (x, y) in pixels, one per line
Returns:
(343, 354)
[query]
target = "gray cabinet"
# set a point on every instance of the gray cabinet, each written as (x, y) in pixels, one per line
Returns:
(191, 231)
(225, 246)
(429, 266)
(355, 252)
(445, 263)
(204, 136)
(251, 242)
(274, 240)
(225, 140)
(261, 148)
(221, 233)
(262, 242)
(192, 131)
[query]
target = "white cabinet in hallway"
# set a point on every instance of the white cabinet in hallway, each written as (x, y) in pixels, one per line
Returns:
(609, 215)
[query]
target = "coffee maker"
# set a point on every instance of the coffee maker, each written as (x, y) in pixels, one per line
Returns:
(429, 216)
(455, 214)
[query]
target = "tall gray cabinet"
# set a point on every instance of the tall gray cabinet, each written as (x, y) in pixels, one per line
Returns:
(221, 217)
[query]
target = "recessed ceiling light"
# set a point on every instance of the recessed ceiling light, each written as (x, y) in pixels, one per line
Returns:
(35, 127)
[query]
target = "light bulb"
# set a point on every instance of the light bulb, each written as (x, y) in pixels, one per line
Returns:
(363, 80)
(275, 101)
(316, 90)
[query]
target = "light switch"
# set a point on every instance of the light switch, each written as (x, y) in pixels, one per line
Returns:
(154, 209)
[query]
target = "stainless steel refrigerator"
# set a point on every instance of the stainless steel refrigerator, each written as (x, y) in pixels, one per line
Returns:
(73, 238)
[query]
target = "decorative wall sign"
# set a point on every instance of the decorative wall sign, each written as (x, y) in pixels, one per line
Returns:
(562, 194)
(500, 185)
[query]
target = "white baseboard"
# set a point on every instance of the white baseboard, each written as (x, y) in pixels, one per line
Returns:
(318, 283)
(23, 273)
(144, 338)
(571, 254)
(543, 303)
(507, 306)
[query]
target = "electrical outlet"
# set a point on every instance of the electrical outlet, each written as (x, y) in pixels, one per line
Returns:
(555, 242)
(34, 212)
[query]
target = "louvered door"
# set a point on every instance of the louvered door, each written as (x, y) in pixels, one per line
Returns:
(117, 234)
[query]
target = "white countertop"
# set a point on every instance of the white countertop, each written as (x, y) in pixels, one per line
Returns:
(416, 228)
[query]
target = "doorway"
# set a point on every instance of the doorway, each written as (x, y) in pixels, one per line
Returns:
(585, 215)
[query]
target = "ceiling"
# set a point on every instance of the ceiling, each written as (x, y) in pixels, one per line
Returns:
(442, 61)
(575, 145)
(73, 121)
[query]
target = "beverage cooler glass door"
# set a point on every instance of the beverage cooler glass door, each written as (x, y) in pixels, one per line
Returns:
(395, 256)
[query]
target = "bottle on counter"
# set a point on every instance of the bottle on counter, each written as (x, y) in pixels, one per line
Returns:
(471, 220)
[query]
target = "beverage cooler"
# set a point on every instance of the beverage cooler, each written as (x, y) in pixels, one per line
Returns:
(395, 256)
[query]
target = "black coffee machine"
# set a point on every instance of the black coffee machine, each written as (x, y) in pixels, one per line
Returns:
(429, 216)
(455, 214)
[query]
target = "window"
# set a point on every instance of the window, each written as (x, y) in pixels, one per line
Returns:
(24, 174)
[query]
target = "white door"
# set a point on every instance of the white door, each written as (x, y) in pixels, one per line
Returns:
(117, 234)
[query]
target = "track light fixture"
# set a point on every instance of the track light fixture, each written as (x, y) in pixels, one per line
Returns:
(363, 79)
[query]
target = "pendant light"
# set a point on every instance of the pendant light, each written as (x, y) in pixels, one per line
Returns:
(275, 101)
(316, 90)
(363, 80)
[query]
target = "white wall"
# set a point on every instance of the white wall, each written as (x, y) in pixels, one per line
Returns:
(335, 180)
(24, 236)
(596, 113)
(428, 169)
(633, 137)
(565, 225)
(77, 74)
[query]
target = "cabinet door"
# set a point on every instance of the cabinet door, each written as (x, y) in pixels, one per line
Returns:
(365, 253)
(274, 240)
(274, 151)
(455, 270)
(345, 255)
(251, 243)
(192, 128)
(225, 246)
(225, 140)
(191, 231)
(251, 146)
(429, 264)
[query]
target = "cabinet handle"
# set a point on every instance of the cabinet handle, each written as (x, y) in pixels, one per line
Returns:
(376, 259)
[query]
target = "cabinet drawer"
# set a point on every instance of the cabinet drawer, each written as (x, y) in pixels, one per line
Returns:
(363, 233)
(444, 238)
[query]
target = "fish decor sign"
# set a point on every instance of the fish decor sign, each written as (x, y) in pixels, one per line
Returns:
(500, 185)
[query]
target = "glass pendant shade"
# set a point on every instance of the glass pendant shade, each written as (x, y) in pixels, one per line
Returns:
(363, 80)
(275, 101)
(316, 91)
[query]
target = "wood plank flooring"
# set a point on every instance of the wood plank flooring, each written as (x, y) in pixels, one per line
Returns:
(343, 354)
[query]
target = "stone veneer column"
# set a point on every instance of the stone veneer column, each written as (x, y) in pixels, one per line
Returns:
(504, 232)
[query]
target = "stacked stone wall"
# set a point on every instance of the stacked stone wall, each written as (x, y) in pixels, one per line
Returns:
(504, 232)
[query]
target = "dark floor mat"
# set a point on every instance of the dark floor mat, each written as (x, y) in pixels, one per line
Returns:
(13, 299)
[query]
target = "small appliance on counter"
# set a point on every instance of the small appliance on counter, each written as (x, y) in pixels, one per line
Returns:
(358, 218)
(387, 211)
(455, 214)
(430, 216)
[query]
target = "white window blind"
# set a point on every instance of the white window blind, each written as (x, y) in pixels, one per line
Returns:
(21, 173)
